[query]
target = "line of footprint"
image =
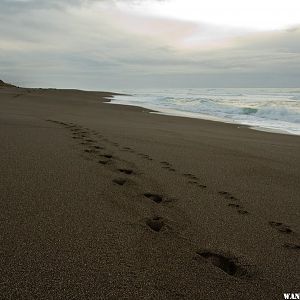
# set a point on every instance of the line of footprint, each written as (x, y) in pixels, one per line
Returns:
(84, 133)
(85, 137)
(234, 201)
(193, 180)
(234, 205)
(227, 263)
(279, 226)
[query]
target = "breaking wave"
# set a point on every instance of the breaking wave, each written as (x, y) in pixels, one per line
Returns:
(275, 109)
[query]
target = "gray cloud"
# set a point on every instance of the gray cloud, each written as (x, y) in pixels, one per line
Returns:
(14, 6)
(54, 45)
(21, 5)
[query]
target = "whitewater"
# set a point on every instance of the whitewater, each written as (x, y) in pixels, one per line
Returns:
(269, 109)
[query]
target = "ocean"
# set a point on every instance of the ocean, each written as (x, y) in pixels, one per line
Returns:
(269, 109)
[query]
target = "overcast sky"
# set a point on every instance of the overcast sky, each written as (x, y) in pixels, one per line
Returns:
(115, 44)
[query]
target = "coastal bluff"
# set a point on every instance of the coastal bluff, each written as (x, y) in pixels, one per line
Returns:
(5, 85)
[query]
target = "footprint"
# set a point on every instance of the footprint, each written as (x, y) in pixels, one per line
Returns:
(127, 149)
(223, 193)
(154, 197)
(192, 182)
(291, 246)
(281, 227)
(119, 181)
(227, 195)
(155, 223)
(90, 151)
(103, 162)
(230, 197)
(226, 264)
(274, 224)
(78, 134)
(169, 168)
(202, 186)
(240, 210)
(126, 171)
(191, 176)
(98, 147)
(106, 155)
(243, 212)
(145, 156)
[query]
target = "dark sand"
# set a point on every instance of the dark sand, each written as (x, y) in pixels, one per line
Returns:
(101, 201)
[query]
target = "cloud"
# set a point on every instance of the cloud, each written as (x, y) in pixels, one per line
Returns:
(21, 5)
(86, 45)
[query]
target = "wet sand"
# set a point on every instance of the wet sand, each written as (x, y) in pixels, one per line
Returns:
(101, 201)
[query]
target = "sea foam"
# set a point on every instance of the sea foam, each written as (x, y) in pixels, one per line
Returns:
(271, 109)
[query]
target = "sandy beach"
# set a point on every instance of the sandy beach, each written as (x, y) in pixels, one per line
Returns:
(102, 201)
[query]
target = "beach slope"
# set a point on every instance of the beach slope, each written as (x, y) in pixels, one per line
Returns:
(102, 201)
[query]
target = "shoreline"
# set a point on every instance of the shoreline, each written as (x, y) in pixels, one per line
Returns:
(201, 116)
(113, 202)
